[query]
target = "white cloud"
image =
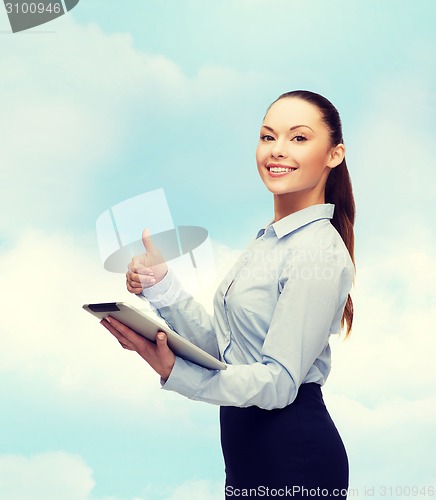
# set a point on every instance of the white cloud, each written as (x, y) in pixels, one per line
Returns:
(392, 162)
(68, 107)
(64, 113)
(61, 475)
(191, 488)
(388, 444)
(391, 343)
(46, 335)
(197, 489)
(47, 476)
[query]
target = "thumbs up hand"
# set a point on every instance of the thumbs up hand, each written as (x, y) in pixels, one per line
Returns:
(146, 269)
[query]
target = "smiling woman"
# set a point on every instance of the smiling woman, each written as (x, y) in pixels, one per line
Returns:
(303, 150)
(274, 313)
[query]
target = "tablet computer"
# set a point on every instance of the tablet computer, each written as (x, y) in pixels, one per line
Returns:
(146, 324)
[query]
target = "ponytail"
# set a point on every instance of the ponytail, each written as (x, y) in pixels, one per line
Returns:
(339, 191)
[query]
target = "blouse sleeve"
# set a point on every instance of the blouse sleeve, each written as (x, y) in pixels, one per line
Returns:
(308, 310)
(183, 314)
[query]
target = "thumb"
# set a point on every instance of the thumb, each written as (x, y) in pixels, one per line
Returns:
(147, 241)
(161, 341)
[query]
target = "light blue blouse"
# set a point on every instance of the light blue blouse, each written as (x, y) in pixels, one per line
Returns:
(273, 315)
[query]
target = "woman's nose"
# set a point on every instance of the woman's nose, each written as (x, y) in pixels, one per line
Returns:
(278, 150)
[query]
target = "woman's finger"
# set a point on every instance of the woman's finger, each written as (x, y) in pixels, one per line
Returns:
(142, 270)
(128, 336)
(139, 268)
(124, 346)
(133, 277)
(134, 289)
(122, 339)
(143, 279)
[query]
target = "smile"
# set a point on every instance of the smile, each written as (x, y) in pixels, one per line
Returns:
(278, 171)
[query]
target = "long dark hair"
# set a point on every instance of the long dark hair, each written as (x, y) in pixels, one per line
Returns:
(338, 189)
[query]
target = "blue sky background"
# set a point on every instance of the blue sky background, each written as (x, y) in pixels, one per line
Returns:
(119, 98)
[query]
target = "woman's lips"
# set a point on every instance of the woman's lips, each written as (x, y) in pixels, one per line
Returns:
(279, 170)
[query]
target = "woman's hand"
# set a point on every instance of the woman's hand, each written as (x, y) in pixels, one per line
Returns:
(146, 269)
(159, 356)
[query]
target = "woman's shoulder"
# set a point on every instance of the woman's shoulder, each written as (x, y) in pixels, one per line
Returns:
(319, 242)
(318, 234)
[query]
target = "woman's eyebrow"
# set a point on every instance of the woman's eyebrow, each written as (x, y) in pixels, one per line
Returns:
(292, 128)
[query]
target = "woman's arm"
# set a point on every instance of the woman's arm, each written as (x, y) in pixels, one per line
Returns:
(149, 278)
(182, 312)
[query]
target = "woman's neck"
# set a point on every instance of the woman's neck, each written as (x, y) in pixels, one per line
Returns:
(288, 203)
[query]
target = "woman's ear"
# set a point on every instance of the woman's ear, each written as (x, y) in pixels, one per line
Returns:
(337, 154)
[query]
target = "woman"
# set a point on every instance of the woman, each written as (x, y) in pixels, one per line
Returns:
(273, 313)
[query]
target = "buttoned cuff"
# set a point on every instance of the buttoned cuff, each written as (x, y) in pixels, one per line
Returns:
(167, 292)
(186, 378)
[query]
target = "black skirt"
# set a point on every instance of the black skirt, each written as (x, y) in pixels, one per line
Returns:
(296, 449)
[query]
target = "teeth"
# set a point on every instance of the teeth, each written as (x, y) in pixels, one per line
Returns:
(278, 170)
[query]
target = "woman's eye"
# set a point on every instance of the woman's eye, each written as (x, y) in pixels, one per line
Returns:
(299, 138)
(267, 138)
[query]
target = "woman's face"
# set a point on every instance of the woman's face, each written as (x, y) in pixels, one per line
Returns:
(294, 153)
